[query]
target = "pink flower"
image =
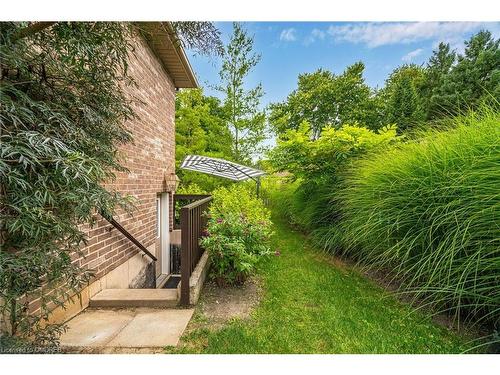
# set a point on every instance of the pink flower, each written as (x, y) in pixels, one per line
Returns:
(277, 253)
(219, 220)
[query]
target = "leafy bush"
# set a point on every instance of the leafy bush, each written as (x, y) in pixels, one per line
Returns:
(430, 211)
(317, 167)
(239, 228)
(235, 246)
(309, 158)
(190, 189)
(239, 199)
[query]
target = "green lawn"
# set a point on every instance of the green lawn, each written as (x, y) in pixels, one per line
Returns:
(311, 305)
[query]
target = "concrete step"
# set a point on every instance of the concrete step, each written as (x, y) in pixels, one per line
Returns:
(135, 298)
(117, 331)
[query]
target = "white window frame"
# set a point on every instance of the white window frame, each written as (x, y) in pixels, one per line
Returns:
(158, 217)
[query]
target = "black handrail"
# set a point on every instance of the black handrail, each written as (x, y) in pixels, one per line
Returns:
(193, 197)
(117, 225)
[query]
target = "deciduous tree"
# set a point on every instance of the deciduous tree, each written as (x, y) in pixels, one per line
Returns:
(201, 129)
(325, 99)
(242, 106)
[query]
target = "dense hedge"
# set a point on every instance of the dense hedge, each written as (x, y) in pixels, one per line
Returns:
(430, 210)
(427, 211)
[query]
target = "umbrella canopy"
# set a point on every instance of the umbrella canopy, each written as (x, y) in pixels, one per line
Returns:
(220, 167)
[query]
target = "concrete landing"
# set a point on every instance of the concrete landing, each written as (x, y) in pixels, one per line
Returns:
(102, 330)
(134, 298)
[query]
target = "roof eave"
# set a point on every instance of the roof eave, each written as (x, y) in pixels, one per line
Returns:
(184, 59)
(163, 41)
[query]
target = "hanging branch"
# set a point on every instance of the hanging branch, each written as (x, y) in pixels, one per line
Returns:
(31, 29)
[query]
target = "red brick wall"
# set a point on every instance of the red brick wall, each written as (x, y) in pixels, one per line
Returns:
(149, 158)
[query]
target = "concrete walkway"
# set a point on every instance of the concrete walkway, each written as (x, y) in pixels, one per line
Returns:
(139, 329)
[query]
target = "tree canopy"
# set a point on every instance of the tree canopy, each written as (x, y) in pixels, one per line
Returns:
(403, 101)
(325, 99)
(448, 84)
(201, 129)
(474, 78)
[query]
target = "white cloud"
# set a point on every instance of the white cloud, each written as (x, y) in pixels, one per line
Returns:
(313, 36)
(318, 34)
(288, 35)
(457, 42)
(411, 55)
(379, 34)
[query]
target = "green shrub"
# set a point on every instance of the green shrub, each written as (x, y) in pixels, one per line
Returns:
(238, 233)
(430, 212)
(309, 159)
(190, 189)
(317, 168)
(235, 245)
(239, 199)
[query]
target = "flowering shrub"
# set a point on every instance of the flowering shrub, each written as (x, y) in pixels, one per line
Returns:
(235, 245)
(237, 237)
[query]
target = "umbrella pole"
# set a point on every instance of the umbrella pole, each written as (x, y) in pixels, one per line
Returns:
(258, 186)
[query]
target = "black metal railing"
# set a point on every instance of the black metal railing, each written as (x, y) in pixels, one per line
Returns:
(192, 224)
(181, 200)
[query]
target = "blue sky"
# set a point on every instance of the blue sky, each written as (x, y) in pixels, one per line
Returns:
(291, 48)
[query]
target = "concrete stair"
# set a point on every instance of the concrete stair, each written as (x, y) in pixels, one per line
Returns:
(135, 298)
(131, 330)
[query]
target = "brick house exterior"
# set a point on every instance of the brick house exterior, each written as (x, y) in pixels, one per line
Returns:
(159, 67)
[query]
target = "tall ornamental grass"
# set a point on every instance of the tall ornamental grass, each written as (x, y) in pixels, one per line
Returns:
(429, 211)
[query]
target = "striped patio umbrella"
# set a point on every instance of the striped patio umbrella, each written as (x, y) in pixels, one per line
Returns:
(221, 168)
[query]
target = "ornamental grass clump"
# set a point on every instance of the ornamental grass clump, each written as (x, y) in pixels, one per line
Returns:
(238, 234)
(429, 211)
